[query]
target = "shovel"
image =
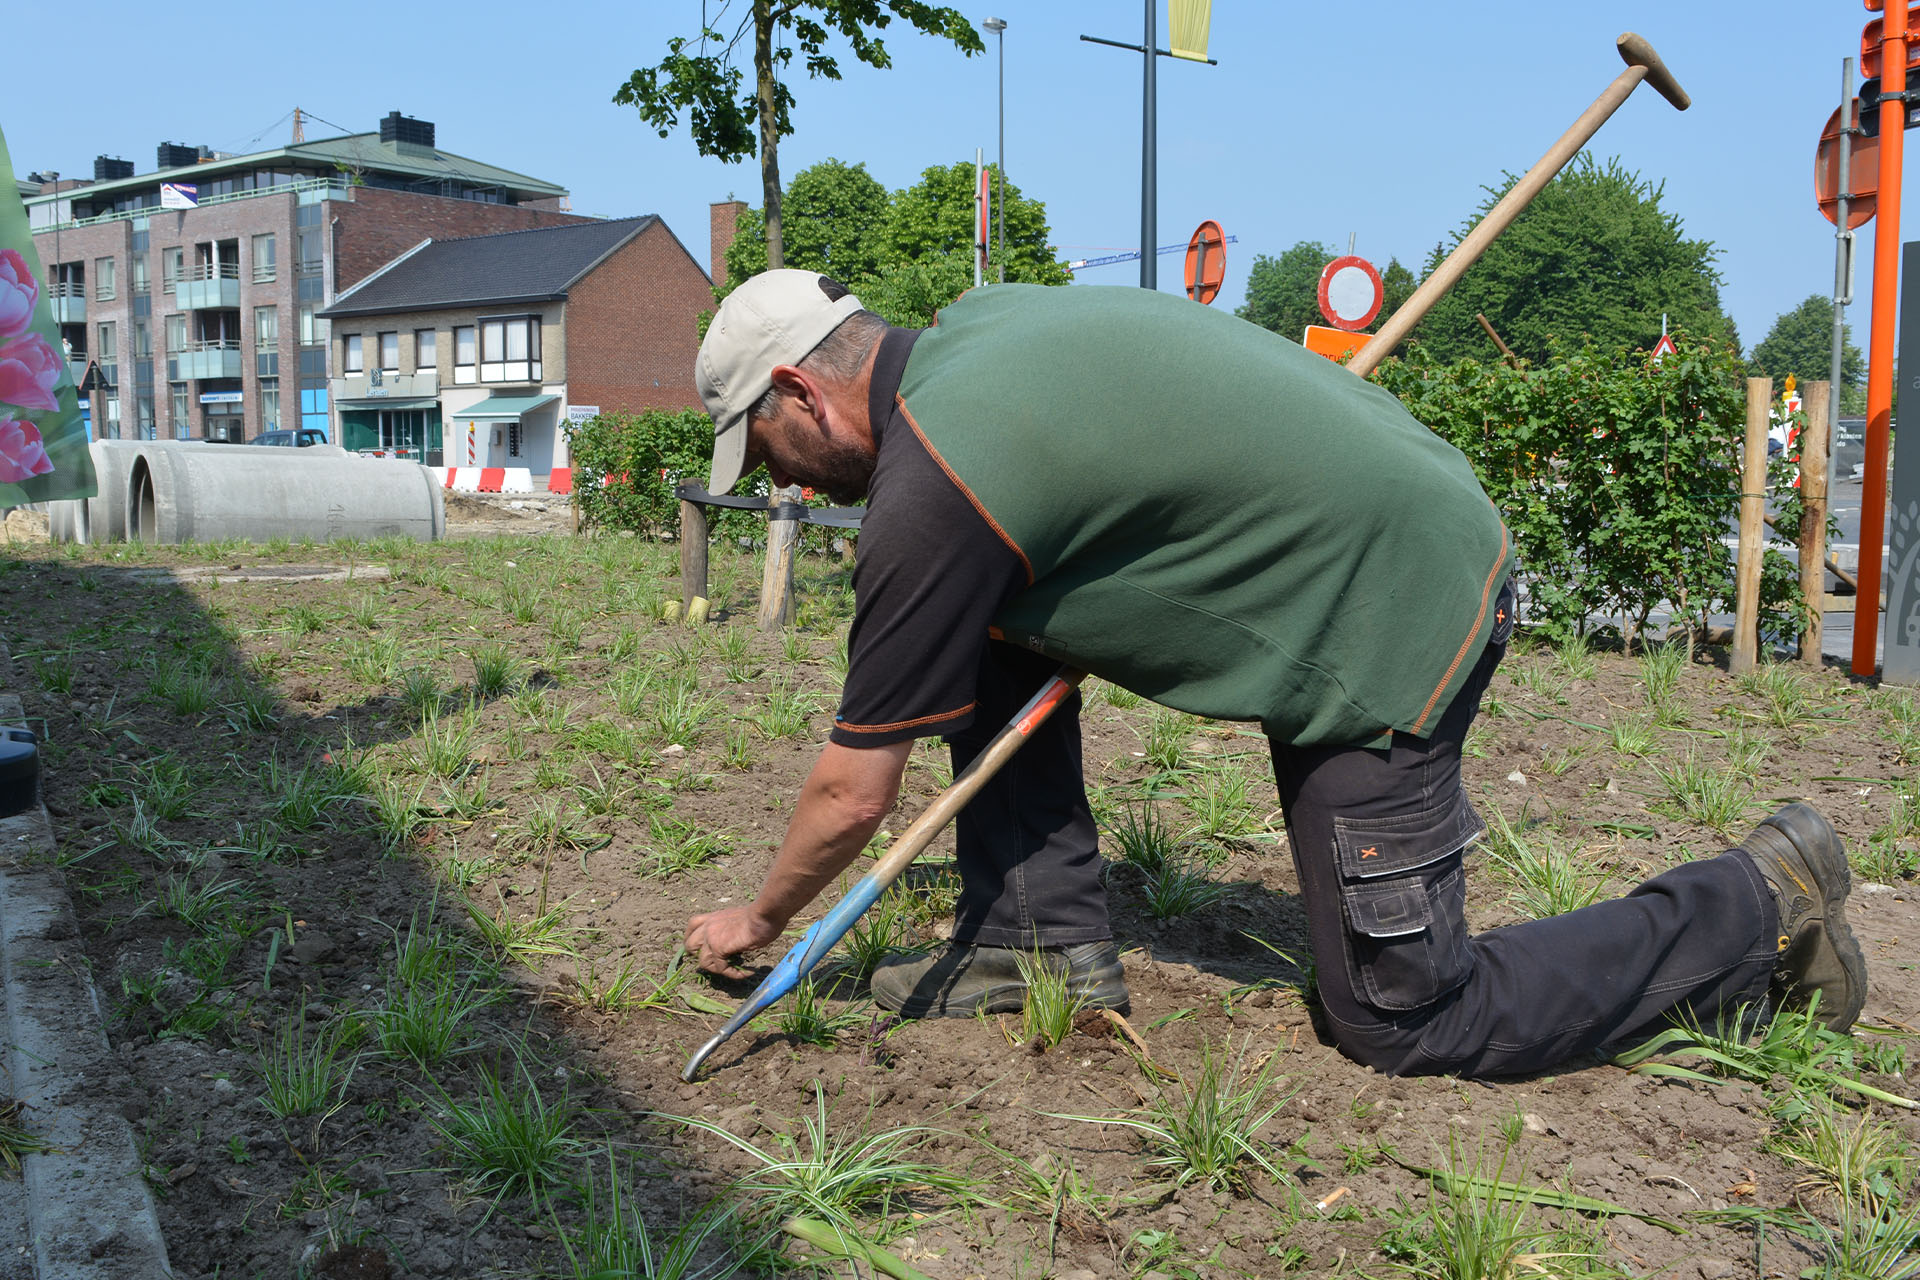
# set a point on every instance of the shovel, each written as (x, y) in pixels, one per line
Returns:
(821, 936)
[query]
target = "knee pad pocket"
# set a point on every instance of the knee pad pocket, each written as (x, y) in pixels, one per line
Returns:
(1403, 894)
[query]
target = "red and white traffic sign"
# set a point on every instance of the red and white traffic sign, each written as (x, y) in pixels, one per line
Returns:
(1350, 293)
(1664, 347)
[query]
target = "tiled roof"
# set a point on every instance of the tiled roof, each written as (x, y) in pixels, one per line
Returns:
(515, 266)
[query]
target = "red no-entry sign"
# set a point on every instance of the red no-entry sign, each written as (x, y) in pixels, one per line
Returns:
(1351, 293)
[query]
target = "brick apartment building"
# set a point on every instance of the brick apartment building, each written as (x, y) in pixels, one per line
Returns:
(471, 352)
(189, 297)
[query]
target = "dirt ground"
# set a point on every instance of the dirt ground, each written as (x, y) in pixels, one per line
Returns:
(250, 859)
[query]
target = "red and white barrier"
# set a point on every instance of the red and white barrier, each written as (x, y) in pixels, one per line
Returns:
(464, 479)
(517, 480)
(561, 480)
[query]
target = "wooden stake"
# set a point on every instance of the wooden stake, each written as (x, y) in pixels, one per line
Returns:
(1813, 519)
(1753, 510)
(776, 584)
(693, 553)
(1506, 352)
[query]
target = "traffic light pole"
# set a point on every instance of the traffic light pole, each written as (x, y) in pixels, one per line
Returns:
(1880, 351)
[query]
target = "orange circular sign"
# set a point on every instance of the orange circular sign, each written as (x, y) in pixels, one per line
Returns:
(1206, 262)
(1863, 172)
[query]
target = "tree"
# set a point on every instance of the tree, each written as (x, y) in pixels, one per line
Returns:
(1801, 343)
(835, 217)
(1594, 256)
(906, 253)
(705, 82)
(1283, 293)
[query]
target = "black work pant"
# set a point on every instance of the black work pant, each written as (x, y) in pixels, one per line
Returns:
(1378, 840)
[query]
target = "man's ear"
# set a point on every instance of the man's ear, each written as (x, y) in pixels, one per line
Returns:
(797, 384)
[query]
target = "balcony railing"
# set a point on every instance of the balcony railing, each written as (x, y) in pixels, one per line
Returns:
(209, 285)
(334, 188)
(69, 302)
(211, 358)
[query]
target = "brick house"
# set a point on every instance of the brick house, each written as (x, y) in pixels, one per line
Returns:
(470, 352)
(189, 297)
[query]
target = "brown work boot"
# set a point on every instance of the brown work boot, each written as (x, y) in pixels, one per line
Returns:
(1801, 858)
(965, 978)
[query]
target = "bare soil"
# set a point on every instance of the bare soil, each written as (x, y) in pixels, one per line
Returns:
(306, 912)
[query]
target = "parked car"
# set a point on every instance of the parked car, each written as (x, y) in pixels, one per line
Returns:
(297, 439)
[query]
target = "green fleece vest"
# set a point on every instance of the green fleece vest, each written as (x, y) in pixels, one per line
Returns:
(1211, 515)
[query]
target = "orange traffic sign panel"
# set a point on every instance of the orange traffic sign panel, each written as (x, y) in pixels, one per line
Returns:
(1863, 172)
(1334, 344)
(1873, 35)
(1206, 262)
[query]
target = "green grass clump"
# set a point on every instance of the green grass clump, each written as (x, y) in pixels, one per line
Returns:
(1208, 1128)
(511, 1138)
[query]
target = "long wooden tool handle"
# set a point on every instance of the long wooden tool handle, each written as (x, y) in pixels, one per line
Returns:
(1643, 64)
(948, 804)
(823, 933)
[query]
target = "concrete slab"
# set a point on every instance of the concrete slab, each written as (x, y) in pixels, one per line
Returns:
(89, 1214)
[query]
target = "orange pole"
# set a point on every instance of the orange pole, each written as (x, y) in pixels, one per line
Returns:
(1886, 298)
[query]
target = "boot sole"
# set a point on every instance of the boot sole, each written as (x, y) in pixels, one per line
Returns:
(1820, 851)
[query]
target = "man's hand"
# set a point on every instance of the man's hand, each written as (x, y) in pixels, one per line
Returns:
(845, 797)
(717, 937)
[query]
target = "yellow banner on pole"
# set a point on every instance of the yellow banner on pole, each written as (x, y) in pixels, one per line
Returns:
(1187, 22)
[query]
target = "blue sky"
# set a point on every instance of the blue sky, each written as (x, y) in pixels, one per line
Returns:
(1381, 122)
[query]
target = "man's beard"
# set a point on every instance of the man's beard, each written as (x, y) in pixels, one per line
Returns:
(841, 469)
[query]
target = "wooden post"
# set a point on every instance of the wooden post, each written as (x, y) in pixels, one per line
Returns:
(776, 584)
(1813, 519)
(693, 553)
(1753, 510)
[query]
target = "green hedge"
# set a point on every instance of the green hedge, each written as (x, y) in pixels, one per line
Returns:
(625, 466)
(1617, 476)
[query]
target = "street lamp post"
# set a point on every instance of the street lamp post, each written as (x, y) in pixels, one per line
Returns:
(999, 28)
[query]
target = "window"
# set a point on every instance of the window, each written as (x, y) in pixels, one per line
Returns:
(269, 404)
(176, 334)
(266, 328)
(143, 417)
(424, 358)
(355, 362)
(264, 266)
(142, 340)
(510, 350)
(390, 352)
(463, 355)
(306, 240)
(137, 273)
(172, 262)
(107, 352)
(309, 328)
(113, 416)
(177, 409)
(105, 279)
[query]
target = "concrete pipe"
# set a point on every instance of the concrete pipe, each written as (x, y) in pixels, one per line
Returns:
(320, 492)
(103, 517)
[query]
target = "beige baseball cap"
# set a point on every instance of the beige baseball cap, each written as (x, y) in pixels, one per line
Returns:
(778, 317)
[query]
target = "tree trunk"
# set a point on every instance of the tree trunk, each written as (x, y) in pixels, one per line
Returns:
(769, 129)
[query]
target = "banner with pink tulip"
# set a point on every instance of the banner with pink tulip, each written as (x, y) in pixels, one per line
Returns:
(43, 440)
